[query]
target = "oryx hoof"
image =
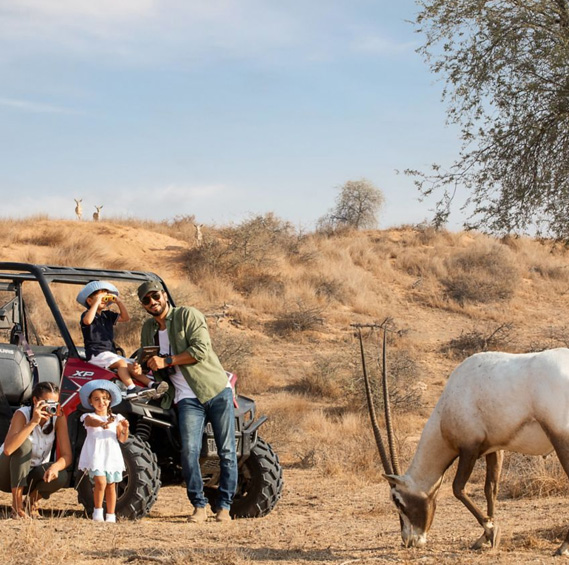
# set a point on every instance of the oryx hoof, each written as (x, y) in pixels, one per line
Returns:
(479, 543)
(493, 538)
(563, 549)
(496, 538)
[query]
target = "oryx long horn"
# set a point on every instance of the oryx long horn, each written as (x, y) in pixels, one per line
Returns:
(387, 407)
(376, 431)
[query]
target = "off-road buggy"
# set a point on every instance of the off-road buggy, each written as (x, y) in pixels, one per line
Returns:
(152, 453)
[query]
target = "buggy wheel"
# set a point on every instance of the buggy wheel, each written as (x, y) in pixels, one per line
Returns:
(260, 483)
(137, 492)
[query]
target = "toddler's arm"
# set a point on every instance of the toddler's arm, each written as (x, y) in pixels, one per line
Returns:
(93, 422)
(122, 431)
(89, 316)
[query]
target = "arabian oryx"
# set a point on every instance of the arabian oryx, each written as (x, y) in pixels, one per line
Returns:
(491, 402)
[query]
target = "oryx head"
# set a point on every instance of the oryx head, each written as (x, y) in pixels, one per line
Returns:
(416, 510)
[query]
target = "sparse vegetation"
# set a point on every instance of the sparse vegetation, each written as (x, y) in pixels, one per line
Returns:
(485, 274)
(533, 476)
(280, 304)
(475, 341)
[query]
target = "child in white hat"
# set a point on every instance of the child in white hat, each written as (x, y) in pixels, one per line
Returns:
(97, 326)
(101, 455)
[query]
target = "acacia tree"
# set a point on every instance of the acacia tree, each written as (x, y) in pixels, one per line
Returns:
(505, 64)
(357, 206)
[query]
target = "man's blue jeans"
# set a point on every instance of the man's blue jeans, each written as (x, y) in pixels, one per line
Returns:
(192, 417)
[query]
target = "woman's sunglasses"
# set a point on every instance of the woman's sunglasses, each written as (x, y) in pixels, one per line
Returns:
(156, 296)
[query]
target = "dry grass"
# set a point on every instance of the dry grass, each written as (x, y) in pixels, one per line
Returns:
(482, 274)
(525, 476)
(280, 303)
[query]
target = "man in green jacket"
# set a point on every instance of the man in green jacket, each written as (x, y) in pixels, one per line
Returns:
(199, 389)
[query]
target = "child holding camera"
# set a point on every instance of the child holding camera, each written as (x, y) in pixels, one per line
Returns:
(101, 455)
(97, 326)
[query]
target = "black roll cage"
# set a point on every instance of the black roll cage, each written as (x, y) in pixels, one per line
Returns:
(44, 275)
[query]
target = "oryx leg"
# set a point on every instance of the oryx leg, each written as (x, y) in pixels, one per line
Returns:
(493, 471)
(561, 445)
(466, 462)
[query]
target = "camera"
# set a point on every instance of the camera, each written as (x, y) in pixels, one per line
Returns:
(51, 407)
(108, 298)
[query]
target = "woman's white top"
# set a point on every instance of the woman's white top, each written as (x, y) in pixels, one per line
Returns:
(101, 450)
(42, 444)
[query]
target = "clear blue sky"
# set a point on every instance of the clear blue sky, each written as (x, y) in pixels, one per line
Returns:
(217, 108)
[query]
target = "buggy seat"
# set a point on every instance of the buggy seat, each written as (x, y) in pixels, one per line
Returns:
(16, 378)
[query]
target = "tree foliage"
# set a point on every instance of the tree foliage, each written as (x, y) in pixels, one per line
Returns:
(357, 206)
(505, 64)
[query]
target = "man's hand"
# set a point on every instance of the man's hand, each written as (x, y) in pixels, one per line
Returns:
(155, 363)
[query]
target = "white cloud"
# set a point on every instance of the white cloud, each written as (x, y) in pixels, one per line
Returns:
(186, 32)
(65, 9)
(36, 107)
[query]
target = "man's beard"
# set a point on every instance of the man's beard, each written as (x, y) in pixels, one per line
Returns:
(160, 311)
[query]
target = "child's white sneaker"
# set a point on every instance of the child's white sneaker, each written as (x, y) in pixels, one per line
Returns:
(111, 518)
(98, 515)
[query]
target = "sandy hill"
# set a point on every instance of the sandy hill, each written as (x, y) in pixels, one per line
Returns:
(287, 301)
(281, 307)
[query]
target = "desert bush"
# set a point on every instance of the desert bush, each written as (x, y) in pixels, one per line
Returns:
(51, 237)
(405, 388)
(330, 288)
(233, 348)
(550, 338)
(475, 341)
(324, 379)
(298, 318)
(253, 243)
(553, 270)
(481, 274)
(527, 476)
(260, 281)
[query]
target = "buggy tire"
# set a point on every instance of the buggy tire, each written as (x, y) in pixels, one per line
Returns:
(260, 483)
(138, 490)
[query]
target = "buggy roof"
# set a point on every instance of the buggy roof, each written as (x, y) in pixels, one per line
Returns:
(70, 275)
(46, 274)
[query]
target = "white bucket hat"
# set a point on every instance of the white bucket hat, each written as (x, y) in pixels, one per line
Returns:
(92, 287)
(86, 390)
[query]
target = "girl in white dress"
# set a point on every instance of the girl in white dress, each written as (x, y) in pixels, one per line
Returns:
(101, 455)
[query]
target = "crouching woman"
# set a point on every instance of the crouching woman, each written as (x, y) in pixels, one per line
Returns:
(25, 466)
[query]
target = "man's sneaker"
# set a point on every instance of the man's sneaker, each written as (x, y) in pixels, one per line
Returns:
(199, 516)
(223, 515)
(161, 388)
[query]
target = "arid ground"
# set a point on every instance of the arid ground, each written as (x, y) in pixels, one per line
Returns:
(281, 312)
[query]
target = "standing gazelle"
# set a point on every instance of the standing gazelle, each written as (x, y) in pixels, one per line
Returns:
(78, 208)
(97, 214)
(491, 402)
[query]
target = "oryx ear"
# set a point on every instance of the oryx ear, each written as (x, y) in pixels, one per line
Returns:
(394, 480)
